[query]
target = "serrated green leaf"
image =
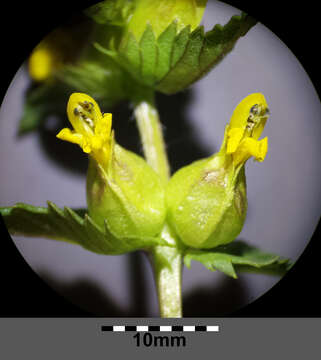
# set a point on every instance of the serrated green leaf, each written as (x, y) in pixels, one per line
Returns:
(164, 42)
(203, 52)
(179, 45)
(225, 265)
(67, 225)
(186, 66)
(280, 268)
(148, 50)
(102, 81)
(212, 262)
(172, 62)
(130, 55)
(219, 41)
(238, 256)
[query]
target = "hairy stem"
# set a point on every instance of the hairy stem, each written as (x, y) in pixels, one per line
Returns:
(168, 277)
(151, 135)
(166, 261)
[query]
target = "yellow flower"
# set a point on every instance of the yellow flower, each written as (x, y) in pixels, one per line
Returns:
(43, 61)
(245, 127)
(92, 129)
(62, 46)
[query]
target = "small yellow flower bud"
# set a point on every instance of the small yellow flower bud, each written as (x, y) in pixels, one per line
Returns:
(42, 62)
(160, 14)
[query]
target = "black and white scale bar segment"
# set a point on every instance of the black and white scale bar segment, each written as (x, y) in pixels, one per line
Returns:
(147, 328)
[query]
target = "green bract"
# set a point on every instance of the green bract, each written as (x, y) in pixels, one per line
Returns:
(72, 226)
(238, 256)
(156, 45)
(177, 57)
(207, 202)
(114, 12)
(128, 195)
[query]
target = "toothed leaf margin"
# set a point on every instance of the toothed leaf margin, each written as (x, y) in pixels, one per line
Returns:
(174, 61)
(67, 225)
(238, 257)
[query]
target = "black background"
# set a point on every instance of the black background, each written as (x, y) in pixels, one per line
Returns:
(23, 25)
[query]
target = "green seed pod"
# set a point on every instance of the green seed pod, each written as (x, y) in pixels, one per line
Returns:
(207, 200)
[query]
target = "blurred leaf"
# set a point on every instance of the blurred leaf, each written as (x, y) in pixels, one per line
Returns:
(67, 225)
(238, 256)
(172, 62)
(115, 12)
(278, 269)
(42, 100)
(104, 83)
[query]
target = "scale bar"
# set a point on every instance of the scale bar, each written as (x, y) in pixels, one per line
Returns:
(150, 328)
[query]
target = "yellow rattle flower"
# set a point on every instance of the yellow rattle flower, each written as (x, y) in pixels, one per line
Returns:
(206, 200)
(245, 127)
(125, 196)
(92, 129)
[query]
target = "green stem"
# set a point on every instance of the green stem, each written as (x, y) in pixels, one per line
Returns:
(168, 277)
(167, 261)
(151, 135)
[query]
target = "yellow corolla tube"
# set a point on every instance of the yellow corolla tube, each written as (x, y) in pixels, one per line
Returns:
(245, 127)
(91, 129)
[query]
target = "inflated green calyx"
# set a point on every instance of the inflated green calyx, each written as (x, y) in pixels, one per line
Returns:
(207, 203)
(207, 200)
(128, 195)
